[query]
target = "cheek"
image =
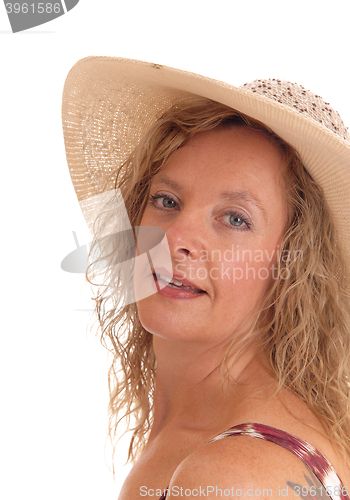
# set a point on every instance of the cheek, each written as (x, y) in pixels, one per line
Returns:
(248, 278)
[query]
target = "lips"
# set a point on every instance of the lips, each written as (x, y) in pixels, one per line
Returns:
(177, 282)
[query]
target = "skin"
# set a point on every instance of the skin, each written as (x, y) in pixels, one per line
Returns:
(190, 336)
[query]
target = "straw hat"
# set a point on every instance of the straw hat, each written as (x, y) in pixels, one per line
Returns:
(110, 103)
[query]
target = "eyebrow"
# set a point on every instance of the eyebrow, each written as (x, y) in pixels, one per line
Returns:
(169, 182)
(244, 195)
(239, 195)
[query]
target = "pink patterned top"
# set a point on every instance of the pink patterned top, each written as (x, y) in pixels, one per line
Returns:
(330, 484)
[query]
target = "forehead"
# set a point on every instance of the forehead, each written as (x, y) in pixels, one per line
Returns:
(230, 134)
(228, 150)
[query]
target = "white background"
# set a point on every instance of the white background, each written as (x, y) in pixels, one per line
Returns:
(53, 371)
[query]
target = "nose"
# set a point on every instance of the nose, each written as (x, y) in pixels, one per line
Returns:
(186, 235)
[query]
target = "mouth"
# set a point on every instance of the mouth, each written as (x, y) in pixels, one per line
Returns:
(177, 284)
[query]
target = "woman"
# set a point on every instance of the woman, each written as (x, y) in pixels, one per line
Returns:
(247, 335)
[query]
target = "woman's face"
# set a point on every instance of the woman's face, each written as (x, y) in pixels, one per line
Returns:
(220, 199)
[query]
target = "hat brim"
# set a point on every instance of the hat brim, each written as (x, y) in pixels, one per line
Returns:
(110, 103)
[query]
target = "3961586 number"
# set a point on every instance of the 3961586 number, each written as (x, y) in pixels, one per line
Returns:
(306, 491)
(40, 8)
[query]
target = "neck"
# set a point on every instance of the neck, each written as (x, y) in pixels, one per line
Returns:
(190, 388)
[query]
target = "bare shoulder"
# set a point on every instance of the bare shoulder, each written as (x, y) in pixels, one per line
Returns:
(243, 466)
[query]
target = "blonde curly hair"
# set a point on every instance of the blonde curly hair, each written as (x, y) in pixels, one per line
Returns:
(307, 314)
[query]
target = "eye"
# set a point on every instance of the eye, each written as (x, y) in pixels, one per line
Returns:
(237, 220)
(161, 201)
(168, 203)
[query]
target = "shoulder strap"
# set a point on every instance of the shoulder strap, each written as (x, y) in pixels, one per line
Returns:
(313, 459)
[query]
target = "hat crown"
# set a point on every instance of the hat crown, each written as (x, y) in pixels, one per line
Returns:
(301, 100)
